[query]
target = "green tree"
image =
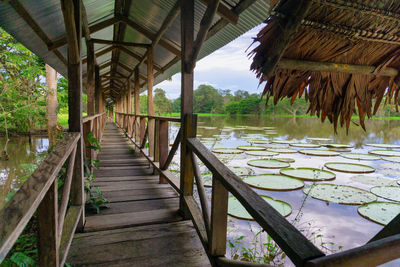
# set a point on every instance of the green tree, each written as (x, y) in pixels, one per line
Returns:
(161, 103)
(143, 104)
(232, 107)
(176, 105)
(207, 99)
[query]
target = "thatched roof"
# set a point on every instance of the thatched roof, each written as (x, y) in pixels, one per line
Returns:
(356, 32)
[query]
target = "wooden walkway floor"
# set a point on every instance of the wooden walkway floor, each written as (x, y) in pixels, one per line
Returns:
(142, 226)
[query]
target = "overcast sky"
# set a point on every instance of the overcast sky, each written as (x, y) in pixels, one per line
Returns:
(226, 68)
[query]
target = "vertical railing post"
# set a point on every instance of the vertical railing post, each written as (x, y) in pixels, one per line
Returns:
(219, 217)
(163, 145)
(156, 140)
(48, 228)
(142, 129)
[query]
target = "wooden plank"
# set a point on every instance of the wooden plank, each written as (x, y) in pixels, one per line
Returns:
(197, 219)
(150, 103)
(48, 235)
(18, 210)
(163, 144)
(71, 222)
(97, 90)
(392, 228)
(128, 186)
(225, 262)
(123, 220)
(125, 178)
(123, 172)
(296, 246)
(173, 150)
(90, 79)
(118, 43)
(141, 194)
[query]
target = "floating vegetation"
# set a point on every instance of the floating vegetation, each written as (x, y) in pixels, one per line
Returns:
(288, 160)
(240, 127)
(282, 150)
(251, 148)
(360, 156)
(207, 179)
(269, 128)
(390, 146)
(304, 145)
(308, 174)
(337, 145)
(387, 192)
(319, 139)
(276, 146)
(223, 136)
(258, 141)
(229, 157)
(254, 128)
(208, 139)
(340, 149)
(385, 153)
(379, 212)
(274, 182)
(268, 163)
(227, 151)
(349, 167)
(392, 159)
(268, 132)
(235, 208)
(251, 137)
(318, 152)
(288, 142)
(341, 194)
(209, 127)
(373, 180)
(261, 153)
(241, 171)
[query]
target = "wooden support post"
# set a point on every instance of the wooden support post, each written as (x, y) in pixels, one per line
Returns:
(188, 121)
(137, 105)
(129, 100)
(156, 142)
(142, 129)
(90, 87)
(48, 237)
(97, 91)
(150, 104)
(163, 146)
(72, 20)
(219, 218)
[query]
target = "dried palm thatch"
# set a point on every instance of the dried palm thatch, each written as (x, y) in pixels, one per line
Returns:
(365, 33)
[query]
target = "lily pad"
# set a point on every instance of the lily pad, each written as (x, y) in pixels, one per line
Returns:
(349, 167)
(373, 180)
(207, 179)
(235, 208)
(258, 141)
(276, 146)
(227, 151)
(283, 150)
(251, 148)
(319, 139)
(223, 136)
(274, 182)
(241, 171)
(379, 212)
(387, 192)
(269, 128)
(338, 145)
(229, 157)
(210, 127)
(359, 156)
(254, 128)
(283, 142)
(319, 152)
(208, 139)
(308, 174)
(340, 149)
(386, 153)
(305, 145)
(392, 159)
(261, 153)
(341, 194)
(383, 145)
(268, 163)
(288, 160)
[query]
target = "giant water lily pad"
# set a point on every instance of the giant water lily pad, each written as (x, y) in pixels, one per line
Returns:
(390, 146)
(386, 153)
(208, 139)
(269, 128)
(308, 174)
(387, 192)
(229, 157)
(319, 139)
(379, 212)
(341, 194)
(210, 127)
(305, 145)
(268, 163)
(392, 159)
(360, 156)
(274, 182)
(340, 149)
(283, 150)
(235, 208)
(254, 128)
(261, 153)
(278, 146)
(338, 145)
(373, 180)
(288, 160)
(227, 151)
(270, 132)
(286, 142)
(251, 148)
(318, 152)
(349, 167)
(241, 171)
(222, 136)
(258, 141)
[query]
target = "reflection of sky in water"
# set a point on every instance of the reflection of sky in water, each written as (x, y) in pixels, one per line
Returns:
(337, 223)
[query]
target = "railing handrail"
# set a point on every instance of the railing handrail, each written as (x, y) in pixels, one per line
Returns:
(89, 118)
(20, 208)
(173, 119)
(296, 246)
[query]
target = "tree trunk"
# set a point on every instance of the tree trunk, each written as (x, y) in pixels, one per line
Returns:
(51, 104)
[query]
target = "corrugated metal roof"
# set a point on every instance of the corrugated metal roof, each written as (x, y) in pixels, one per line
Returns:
(149, 14)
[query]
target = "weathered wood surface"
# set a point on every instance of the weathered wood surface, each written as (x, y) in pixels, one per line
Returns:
(141, 226)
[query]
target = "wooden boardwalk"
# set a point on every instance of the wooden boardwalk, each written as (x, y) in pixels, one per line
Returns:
(142, 226)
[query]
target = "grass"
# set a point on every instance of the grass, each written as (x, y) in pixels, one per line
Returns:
(63, 119)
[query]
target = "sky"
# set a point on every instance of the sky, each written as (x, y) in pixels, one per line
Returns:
(226, 68)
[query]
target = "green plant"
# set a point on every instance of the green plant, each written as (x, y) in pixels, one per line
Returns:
(132, 150)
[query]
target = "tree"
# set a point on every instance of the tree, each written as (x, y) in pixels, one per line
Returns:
(232, 108)
(240, 94)
(143, 104)
(51, 104)
(176, 105)
(207, 100)
(161, 102)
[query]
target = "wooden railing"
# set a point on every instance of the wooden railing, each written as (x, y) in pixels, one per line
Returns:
(95, 125)
(210, 219)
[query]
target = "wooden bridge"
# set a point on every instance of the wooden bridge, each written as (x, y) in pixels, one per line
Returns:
(153, 218)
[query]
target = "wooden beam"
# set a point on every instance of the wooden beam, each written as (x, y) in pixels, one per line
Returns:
(138, 57)
(92, 29)
(305, 65)
(90, 79)
(136, 99)
(100, 53)
(97, 89)
(86, 31)
(118, 43)
(224, 12)
(103, 66)
(150, 103)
